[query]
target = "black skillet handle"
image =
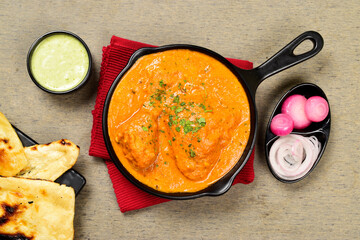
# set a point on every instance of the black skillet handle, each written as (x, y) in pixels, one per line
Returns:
(282, 60)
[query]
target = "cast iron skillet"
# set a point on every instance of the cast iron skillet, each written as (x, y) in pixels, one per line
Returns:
(249, 79)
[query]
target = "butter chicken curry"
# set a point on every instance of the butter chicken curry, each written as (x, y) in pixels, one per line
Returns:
(178, 120)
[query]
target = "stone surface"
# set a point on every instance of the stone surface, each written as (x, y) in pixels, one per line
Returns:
(325, 205)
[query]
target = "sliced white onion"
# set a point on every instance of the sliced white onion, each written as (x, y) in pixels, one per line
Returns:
(292, 156)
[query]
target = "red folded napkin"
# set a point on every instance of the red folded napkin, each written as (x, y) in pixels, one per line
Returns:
(129, 197)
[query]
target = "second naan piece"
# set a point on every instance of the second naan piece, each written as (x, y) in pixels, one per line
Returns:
(50, 161)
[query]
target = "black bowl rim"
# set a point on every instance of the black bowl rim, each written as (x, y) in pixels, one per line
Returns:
(41, 38)
(227, 180)
(324, 130)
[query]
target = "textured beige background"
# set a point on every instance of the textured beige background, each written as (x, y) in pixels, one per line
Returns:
(325, 205)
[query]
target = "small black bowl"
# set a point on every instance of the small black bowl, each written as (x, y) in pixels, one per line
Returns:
(33, 47)
(321, 130)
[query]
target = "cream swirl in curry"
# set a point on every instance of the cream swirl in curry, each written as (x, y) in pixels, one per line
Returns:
(178, 120)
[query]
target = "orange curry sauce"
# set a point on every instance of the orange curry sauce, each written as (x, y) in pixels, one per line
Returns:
(179, 120)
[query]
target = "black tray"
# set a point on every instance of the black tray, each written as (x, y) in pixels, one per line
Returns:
(70, 178)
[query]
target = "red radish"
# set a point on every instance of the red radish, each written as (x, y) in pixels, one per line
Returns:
(295, 107)
(282, 124)
(316, 109)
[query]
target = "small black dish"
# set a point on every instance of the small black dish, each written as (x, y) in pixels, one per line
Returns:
(36, 43)
(321, 130)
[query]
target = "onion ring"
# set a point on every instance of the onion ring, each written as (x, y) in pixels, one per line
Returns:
(292, 156)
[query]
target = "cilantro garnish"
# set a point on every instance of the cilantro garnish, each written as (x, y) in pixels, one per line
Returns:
(176, 99)
(179, 109)
(182, 122)
(192, 153)
(201, 121)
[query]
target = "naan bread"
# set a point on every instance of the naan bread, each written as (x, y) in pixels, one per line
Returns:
(50, 161)
(12, 156)
(36, 209)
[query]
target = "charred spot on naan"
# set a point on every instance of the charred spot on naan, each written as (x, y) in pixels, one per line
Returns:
(7, 212)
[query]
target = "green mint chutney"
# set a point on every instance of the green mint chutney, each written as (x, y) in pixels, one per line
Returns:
(59, 62)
